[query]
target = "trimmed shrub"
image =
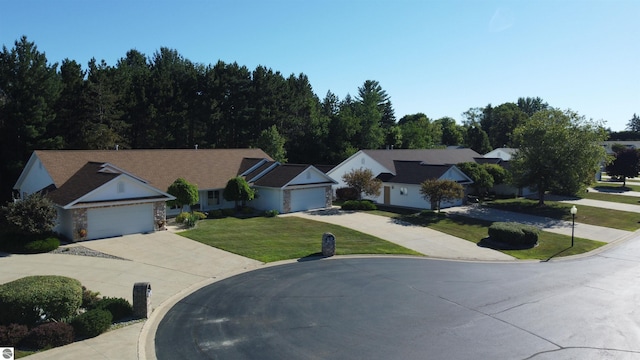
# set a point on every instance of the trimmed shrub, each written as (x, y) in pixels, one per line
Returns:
(118, 307)
(347, 193)
(182, 217)
(48, 335)
(89, 298)
(92, 323)
(34, 299)
(191, 220)
(359, 205)
(514, 234)
(12, 334)
(200, 215)
(215, 214)
(228, 212)
(271, 213)
(42, 246)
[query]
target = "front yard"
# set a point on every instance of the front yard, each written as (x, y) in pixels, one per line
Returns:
(282, 238)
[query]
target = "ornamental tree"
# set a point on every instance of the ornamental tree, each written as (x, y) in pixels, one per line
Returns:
(363, 181)
(237, 190)
(436, 191)
(33, 215)
(185, 193)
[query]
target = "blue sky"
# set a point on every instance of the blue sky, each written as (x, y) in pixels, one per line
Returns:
(436, 57)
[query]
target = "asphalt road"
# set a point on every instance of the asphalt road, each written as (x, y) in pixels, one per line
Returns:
(410, 308)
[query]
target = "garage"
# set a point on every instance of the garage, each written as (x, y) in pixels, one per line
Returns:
(119, 220)
(307, 199)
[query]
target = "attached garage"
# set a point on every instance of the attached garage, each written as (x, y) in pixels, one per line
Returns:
(308, 199)
(119, 220)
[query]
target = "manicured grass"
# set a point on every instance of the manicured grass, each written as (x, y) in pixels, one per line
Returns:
(281, 238)
(633, 200)
(616, 219)
(616, 187)
(549, 244)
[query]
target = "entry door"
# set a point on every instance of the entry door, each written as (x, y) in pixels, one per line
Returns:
(387, 195)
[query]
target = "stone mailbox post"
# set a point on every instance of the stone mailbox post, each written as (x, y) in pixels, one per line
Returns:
(328, 244)
(141, 300)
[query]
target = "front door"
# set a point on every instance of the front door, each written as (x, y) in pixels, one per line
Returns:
(387, 195)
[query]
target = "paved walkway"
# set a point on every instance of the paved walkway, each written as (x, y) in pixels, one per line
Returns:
(174, 266)
(421, 239)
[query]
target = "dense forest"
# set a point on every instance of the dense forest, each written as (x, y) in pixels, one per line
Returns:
(167, 101)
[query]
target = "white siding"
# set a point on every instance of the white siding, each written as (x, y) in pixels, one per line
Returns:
(36, 178)
(268, 199)
(64, 224)
(359, 160)
(122, 187)
(309, 176)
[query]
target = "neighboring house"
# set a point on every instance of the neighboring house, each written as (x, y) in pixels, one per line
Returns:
(104, 193)
(502, 157)
(403, 170)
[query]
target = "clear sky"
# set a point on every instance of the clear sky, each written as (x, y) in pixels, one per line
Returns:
(436, 57)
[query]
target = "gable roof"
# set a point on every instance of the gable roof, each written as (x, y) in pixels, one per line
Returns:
(206, 168)
(427, 156)
(280, 175)
(415, 172)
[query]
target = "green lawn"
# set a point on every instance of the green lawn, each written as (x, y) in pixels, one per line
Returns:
(617, 187)
(474, 230)
(616, 219)
(633, 200)
(281, 238)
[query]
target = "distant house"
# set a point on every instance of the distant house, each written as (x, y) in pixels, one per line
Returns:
(502, 157)
(109, 193)
(402, 171)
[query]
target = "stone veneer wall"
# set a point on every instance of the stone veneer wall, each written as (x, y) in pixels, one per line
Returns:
(286, 201)
(160, 215)
(328, 196)
(79, 218)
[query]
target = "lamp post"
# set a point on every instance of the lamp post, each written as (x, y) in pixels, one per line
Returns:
(574, 211)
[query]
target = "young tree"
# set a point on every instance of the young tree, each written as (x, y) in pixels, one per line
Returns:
(238, 189)
(185, 193)
(626, 164)
(271, 142)
(436, 191)
(33, 215)
(499, 174)
(557, 151)
(363, 181)
(482, 180)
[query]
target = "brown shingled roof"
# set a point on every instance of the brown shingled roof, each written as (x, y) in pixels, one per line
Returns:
(206, 168)
(414, 172)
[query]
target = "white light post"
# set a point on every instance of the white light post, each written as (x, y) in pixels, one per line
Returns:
(574, 211)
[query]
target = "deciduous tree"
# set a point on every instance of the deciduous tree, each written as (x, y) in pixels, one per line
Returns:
(185, 193)
(626, 164)
(237, 190)
(271, 142)
(437, 191)
(363, 181)
(558, 151)
(482, 180)
(32, 215)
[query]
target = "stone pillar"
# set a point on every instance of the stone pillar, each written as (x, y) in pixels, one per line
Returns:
(141, 300)
(328, 244)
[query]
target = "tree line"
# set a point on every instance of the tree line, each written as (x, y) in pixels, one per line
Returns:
(167, 101)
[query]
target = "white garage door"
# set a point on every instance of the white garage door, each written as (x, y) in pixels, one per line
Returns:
(307, 199)
(119, 220)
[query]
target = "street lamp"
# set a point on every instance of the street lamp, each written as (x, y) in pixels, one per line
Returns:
(574, 211)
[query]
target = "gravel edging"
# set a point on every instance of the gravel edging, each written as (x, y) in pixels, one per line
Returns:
(83, 251)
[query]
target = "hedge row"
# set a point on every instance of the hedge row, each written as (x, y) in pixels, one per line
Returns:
(514, 234)
(359, 205)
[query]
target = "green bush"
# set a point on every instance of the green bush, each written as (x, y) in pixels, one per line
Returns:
(48, 335)
(228, 212)
(215, 214)
(359, 205)
(118, 307)
(191, 220)
(347, 193)
(182, 217)
(200, 215)
(271, 213)
(42, 246)
(12, 334)
(92, 323)
(514, 234)
(33, 299)
(89, 298)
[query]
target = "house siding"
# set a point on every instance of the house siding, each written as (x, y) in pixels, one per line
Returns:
(359, 160)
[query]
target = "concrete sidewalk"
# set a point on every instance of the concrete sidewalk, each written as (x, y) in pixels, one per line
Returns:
(174, 266)
(421, 239)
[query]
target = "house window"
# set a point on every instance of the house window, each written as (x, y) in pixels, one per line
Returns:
(362, 161)
(213, 197)
(404, 191)
(120, 187)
